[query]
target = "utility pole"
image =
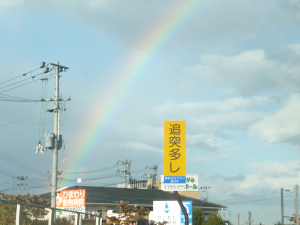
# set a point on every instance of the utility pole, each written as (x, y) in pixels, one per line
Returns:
(251, 219)
(20, 184)
(282, 210)
(153, 175)
(54, 141)
(125, 171)
(297, 206)
(238, 219)
(205, 187)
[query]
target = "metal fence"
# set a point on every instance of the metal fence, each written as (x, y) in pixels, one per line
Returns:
(51, 214)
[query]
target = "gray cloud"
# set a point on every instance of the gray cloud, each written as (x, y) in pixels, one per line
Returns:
(291, 8)
(254, 71)
(238, 178)
(215, 21)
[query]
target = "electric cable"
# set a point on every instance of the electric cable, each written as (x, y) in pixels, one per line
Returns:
(22, 80)
(4, 97)
(107, 176)
(17, 163)
(6, 173)
(255, 200)
(246, 197)
(93, 171)
(20, 120)
(20, 85)
(24, 74)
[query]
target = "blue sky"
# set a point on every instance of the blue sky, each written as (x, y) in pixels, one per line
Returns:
(231, 72)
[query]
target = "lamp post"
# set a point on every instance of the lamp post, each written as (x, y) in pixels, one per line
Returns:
(267, 215)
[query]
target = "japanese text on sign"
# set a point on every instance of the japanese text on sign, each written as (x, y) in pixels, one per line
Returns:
(190, 183)
(175, 149)
(71, 198)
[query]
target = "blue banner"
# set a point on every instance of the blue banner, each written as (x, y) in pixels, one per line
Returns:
(174, 179)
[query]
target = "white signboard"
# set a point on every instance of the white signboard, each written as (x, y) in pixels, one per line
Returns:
(191, 182)
(171, 212)
(190, 185)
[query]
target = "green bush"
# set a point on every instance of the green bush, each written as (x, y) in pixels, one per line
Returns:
(214, 219)
(198, 218)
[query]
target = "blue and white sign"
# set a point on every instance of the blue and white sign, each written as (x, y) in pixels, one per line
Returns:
(174, 179)
(173, 183)
(189, 209)
(171, 212)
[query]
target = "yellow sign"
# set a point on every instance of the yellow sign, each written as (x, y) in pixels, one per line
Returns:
(175, 148)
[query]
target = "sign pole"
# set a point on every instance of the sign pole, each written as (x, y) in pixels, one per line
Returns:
(186, 221)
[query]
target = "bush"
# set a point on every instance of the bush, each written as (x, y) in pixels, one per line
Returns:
(198, 218)
(214, 219)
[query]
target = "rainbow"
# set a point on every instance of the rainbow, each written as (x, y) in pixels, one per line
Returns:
(165, 31)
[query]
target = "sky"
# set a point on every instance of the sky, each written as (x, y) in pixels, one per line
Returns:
(228, 68)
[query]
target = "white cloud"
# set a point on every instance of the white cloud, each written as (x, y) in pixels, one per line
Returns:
(276, 169)
(281, 126)
(11, 3)
(204, 142)
(209, 123)
(199, 159)
(232, 120)
(263, 176)
(140, 146)
(254, 71)
(192, 108)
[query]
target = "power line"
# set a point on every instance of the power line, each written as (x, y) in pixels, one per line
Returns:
(111, 175)
(20, 120)
(22, 80)
(24, 74)
(6, 173)
(17, 163)
(33, 183)
(106, 176)
(17, 86)
(15, 99)
(254, 200)
(93, 171)
(245, 197)
(20, 85)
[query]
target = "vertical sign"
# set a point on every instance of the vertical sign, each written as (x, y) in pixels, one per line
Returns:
(174, 152)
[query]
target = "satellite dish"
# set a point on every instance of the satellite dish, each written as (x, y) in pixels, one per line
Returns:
(79, 180)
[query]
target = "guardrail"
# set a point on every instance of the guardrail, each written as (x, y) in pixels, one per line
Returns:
(78, 217)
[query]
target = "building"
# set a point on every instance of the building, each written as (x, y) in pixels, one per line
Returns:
(102, 199)
(156, 185)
